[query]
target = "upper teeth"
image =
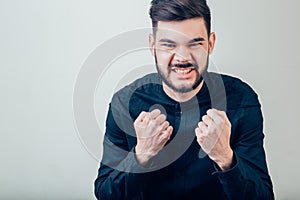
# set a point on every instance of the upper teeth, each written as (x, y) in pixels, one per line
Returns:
(183, 71)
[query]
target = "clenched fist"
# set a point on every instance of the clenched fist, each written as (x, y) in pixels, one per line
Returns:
(213, 135)
(152, 131)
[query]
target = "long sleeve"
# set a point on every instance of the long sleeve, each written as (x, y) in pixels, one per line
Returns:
(188, 176)
(248, 179)
(118, 175)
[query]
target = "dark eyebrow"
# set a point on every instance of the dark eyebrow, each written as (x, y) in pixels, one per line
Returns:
(199, 39)
(166, 40)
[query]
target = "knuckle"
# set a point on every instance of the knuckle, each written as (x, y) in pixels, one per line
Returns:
(156, 122)
(157, 110)
(214, 129)
(142, 113)
(222, 112)
(200, 124)
(210, 111)
(136, 123)
(164, 136)
(160, 119)
(163, 117)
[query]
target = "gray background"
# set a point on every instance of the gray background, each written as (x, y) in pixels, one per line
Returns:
(43, 45)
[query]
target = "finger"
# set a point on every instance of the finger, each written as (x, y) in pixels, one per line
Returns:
(199, 135)
(141, 117)
(225, 117)
(202, 125)
(207, 120)
(160, 119)
(155, 113)
(200, 140)
(155, 123)
(203, 128)
(169, 131)
(198, 130)
(163, 126)
(166, 134)
(146, 119)
(220, 117)
(216, 116)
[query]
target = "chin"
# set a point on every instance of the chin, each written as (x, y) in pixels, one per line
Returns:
(183, 89)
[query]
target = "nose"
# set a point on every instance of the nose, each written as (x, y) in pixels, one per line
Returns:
(182, 55)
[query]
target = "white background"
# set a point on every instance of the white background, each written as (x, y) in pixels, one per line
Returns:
(43, 45)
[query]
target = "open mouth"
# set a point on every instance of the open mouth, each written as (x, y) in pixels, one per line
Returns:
(183, 70)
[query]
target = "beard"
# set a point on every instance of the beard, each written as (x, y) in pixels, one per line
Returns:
(166, 76)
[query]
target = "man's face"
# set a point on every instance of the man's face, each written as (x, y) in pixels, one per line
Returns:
(181, 50)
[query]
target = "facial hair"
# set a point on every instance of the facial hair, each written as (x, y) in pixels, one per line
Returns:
(168, 82)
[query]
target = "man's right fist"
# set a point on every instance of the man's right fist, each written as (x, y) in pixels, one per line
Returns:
(153, 132)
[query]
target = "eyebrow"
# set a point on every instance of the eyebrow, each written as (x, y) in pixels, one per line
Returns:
(166, 40)
(199, 39)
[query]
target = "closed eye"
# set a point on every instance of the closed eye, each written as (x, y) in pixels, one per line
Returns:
(195, 44)
(169, 45)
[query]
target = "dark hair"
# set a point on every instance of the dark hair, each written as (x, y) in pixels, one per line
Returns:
(177, 10)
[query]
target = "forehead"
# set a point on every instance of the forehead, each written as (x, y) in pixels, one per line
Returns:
(185, 29)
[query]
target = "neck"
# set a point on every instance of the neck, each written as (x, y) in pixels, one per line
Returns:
(181, 97)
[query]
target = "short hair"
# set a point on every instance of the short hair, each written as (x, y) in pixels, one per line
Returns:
(177, 10)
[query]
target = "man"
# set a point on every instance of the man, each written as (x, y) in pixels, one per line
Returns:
(183, 133)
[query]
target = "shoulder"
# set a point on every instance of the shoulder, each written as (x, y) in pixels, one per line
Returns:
(121, 102)
(143, 83)
(143, 88)
(238, 93)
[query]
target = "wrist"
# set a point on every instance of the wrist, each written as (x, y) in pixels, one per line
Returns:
(225, 162)
(142, 157)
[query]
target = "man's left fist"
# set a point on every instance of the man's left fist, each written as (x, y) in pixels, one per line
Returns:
(213, 135)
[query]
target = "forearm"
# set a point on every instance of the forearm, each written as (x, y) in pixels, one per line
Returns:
(248, 178)
(110, 186)
(118, 185)
(124, 181)
(120, 175)
(243, 182)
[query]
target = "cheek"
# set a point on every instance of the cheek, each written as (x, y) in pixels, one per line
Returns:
(200, 57)
(164, 58)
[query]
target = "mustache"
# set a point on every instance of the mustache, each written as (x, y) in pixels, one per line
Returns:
(183, 66)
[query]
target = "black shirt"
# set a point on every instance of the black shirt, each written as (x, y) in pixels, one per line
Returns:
(181, 170)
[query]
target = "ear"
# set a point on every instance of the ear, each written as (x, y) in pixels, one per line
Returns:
(211, 42)
(152, 44)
